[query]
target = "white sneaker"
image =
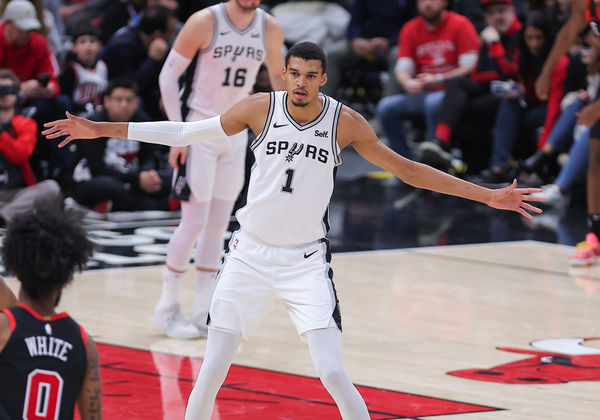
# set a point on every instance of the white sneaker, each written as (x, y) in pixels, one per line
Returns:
(553, 195)
(171, 321)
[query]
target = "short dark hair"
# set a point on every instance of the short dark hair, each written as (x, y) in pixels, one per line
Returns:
(120, 82)
(307, 51)
(44, 247)
(85, 28)
(155, 18)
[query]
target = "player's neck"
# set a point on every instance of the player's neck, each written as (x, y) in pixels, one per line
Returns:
(305, 114)
(44, 306)
(239, 17)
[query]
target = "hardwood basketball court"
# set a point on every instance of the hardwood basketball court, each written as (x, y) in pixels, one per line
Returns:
(410, 317)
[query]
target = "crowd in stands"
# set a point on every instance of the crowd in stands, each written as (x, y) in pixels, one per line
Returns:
(451, 83)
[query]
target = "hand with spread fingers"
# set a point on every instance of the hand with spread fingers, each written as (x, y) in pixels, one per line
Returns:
(513, 198)
(73, 127)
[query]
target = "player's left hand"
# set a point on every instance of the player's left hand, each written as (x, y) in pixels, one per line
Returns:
(513, 198)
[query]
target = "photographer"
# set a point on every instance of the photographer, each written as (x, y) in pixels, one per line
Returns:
(18, 136)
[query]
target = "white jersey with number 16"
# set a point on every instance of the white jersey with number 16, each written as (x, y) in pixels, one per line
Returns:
(292, 179)
(226, 71)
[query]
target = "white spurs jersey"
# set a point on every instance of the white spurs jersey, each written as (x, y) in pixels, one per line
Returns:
(292, 178)
(226, 71)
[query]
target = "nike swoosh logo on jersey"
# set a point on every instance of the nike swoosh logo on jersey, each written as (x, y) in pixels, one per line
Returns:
(224, 33)
(255, 35)
(275, 125)
(308, 255)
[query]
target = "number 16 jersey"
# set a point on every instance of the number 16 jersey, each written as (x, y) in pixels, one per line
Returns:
(226, 70)
(292, 179)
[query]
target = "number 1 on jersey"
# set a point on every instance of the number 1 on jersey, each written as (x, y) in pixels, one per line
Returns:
(288, 182)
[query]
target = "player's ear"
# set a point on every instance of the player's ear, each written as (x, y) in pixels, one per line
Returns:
(323, 79)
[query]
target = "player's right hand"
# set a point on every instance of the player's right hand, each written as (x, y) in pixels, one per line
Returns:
(177, 156)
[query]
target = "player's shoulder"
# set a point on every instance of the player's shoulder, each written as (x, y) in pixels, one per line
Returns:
(272, 26)
(351, 126)
(255, 103)
(201, 17)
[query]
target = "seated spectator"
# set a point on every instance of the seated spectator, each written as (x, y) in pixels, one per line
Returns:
(117, 173)
(498, 60)
(48, 26)
(118, 15)
(18, 136)
(84, 76)
(582, 84)
(434, 47)
(24, 51)
(372, 34)
(520, 113)
(138, 51)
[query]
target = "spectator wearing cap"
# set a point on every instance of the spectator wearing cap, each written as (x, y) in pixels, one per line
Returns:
(18, 188)
(26, 52)
(434, 47)
(498, 60)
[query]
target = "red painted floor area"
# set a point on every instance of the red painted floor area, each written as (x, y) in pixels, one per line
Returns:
(143, 385)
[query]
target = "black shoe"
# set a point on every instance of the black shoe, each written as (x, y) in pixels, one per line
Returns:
(436, 153)
(491, 179)
(536, 161)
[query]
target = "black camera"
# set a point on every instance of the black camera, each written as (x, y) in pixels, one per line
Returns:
(43, 79)
(9, 89)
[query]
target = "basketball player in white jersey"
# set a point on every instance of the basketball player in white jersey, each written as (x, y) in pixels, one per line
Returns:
(280, 248)
(232, 40)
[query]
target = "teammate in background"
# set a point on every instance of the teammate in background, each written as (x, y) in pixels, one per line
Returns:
(281, 248)
(47, 361)
(231, 40)
(583, 11)
(7, 297)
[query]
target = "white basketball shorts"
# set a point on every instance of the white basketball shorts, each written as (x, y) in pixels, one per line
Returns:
(215, 168)
(254, 272)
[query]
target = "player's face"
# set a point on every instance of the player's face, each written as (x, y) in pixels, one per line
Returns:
(431, 10)
(303, 78)
(534, 39)
(247, 5)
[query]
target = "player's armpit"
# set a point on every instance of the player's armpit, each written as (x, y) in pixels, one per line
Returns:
(89, 401)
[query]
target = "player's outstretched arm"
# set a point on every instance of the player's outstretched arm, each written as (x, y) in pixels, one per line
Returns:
(246, 113)
(89, 400)
(353, 128)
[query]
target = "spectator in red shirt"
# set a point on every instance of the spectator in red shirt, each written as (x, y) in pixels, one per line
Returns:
(470, 95)
(18, 136)
(26, 52)
(435, 46)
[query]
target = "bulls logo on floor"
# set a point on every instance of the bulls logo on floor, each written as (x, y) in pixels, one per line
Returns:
(138, 384)
(557, 360)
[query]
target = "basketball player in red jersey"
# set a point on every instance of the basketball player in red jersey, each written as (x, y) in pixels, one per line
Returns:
(584, 11)
(51, 362)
